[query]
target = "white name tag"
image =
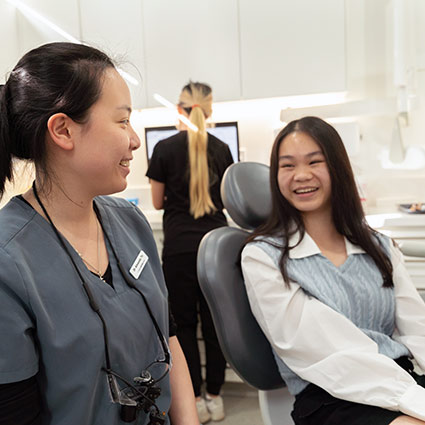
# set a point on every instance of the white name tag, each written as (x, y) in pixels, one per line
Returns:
(139, 264)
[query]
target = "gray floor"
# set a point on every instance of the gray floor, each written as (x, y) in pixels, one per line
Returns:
(241, 405)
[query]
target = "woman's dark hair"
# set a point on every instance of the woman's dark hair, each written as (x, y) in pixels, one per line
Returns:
(347, 212)
(53, 78)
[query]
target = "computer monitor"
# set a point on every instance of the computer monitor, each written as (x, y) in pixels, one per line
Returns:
(225, 131)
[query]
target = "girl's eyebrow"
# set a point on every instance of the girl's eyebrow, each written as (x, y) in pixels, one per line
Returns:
(307, 155)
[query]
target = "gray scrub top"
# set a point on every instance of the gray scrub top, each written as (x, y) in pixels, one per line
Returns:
(47, 325)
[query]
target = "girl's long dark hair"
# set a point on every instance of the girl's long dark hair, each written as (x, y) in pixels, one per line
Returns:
(347, 212)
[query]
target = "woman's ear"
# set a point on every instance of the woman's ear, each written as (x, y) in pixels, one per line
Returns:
(61, 130)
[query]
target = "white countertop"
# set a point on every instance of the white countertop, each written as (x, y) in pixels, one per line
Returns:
(399, 225)
(395, 224)
(396, 219)
(377, 221)
(154, 217)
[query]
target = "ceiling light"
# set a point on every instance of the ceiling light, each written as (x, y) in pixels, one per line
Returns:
(31, 13)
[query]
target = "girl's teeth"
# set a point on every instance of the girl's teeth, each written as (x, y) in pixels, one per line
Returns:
(125, 163)
(305, 190)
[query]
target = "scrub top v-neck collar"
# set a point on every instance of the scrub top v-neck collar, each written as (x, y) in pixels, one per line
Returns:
(117, 285)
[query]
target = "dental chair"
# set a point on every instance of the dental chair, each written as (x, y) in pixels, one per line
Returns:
(414, 249)
(246, 197)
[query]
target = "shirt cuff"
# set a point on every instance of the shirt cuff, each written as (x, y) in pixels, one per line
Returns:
(412, 402)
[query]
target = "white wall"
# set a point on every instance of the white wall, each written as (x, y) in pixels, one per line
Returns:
(370, 75)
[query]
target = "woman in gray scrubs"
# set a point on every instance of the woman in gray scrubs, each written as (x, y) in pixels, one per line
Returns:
(83, 304)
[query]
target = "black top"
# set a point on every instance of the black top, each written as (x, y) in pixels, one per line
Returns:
(20, 403)
(170, 165)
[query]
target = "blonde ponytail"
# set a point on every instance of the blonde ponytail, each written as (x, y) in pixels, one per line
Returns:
(198, 98)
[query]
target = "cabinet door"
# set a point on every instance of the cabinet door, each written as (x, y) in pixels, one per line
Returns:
(418, 11)
(32, 32)
(116, 28)
(292, 47)
(10, 52)
(191, 39)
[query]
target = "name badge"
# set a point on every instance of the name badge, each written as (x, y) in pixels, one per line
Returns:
(139, 264)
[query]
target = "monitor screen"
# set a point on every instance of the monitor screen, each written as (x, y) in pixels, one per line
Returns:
(225, 131)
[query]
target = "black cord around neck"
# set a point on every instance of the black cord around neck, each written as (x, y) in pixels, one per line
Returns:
(93, 304)
(95, 307)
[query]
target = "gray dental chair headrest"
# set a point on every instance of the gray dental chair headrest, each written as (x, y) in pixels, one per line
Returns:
(245, 191)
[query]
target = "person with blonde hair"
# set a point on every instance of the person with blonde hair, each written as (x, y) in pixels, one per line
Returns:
(185, 172)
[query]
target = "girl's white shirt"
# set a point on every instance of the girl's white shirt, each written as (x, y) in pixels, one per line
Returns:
(327, 349)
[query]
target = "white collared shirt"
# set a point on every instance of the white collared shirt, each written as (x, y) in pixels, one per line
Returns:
(346, 362)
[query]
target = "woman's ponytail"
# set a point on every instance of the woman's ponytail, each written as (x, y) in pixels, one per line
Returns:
(200, 199)
(196, 99)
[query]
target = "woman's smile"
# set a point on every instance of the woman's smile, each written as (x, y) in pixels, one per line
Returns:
(306, 191)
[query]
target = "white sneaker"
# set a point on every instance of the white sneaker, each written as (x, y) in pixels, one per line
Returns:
(215, 407)
(203, 413)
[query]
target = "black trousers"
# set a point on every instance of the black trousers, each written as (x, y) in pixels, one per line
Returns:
(314, 406)
(186, 301)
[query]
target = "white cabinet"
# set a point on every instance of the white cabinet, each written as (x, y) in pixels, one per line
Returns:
(244, 49)
(9, 36)
(191, 39)
(292, 47)
(33, 33)
(405, 228)
(116, 28)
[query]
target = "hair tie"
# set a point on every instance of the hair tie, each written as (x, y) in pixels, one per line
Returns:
(196, 105)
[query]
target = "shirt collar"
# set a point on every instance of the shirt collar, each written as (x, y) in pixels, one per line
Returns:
(307, 247)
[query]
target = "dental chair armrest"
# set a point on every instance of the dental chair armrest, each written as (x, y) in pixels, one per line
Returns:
(413, 248)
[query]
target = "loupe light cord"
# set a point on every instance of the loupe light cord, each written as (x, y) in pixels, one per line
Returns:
(111, 372)
(90, 297)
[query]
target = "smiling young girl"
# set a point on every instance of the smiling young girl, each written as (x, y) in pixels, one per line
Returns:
(331, 294)
(83, 303)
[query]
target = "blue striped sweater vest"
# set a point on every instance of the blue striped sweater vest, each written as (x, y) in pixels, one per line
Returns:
(353, 289)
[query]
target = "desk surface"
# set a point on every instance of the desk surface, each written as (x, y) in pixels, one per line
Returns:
(377, 221)
(396, 219)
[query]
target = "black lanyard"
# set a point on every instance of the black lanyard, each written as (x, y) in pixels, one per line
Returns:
(93, 304)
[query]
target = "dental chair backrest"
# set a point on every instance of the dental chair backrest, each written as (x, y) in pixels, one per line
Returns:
(415, 249)
(246, 197)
